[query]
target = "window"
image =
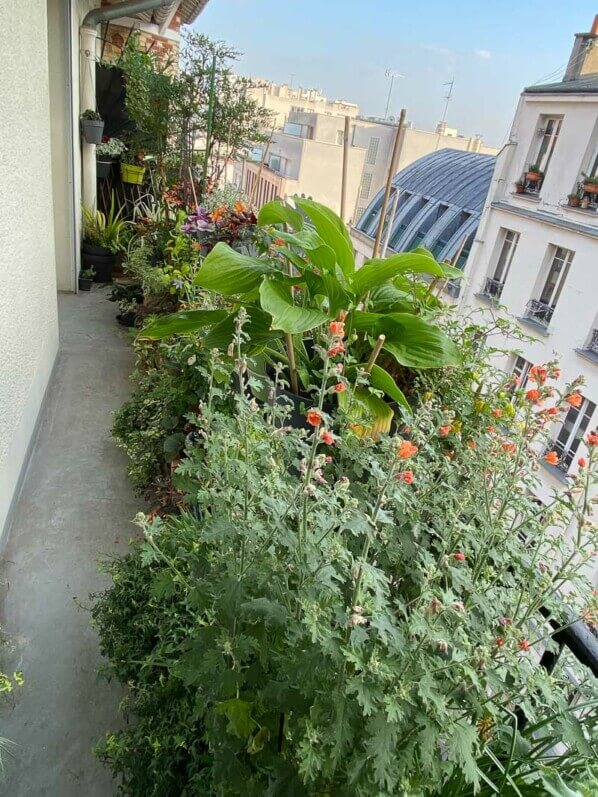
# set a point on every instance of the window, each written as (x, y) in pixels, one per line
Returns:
(521, 370)
(339, 136)
(277, 164)
(550, 127)
(573, 429)
(372, 152)
(366, 184)
(542, 309)
(495, 283)
(302, 131)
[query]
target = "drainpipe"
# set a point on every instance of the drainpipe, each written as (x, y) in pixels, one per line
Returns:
(88, 38)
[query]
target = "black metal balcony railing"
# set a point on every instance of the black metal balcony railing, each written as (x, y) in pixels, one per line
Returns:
(593, 344)
(539, 311)
(493, 288)
(565, 455)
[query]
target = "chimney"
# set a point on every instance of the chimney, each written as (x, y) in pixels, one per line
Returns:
(583, 60)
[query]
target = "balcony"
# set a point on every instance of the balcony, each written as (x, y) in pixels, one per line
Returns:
(590, 350)
(593, 344)
(493, 288)
(539, 312)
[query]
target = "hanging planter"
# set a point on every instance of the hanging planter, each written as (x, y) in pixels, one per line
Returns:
(103, 168)
(107, 154)
(92, 126)
(130, 173)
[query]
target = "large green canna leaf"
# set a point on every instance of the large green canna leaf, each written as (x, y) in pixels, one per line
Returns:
(368, 414)
(186, 322)
(412, 341)
(319, 253)
(258, 327)
(277, 212)
(277, 300)
(332, 231)
(330, 288)
(378, 271)
(382, 380)
(229, 272)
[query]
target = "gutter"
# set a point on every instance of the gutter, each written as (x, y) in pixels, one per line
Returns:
(128, 8)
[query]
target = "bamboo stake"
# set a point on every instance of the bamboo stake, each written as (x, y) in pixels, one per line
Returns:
(292, 363)
(210, 120)
(345, 165)
(454, 262)
(375, 352)
(391, 172)
(193, 187)
(255, 186)
(391, 215)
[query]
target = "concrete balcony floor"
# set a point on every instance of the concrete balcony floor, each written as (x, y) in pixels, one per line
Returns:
(75, 506)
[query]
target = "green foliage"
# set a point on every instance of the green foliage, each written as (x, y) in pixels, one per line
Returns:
(107, 230)
(340, 615)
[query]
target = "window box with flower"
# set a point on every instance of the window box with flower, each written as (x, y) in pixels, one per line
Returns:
(108, 153)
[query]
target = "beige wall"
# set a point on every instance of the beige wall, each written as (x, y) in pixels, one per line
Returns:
(28, 316)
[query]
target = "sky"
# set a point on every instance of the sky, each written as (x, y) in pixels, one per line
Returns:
(344, 48)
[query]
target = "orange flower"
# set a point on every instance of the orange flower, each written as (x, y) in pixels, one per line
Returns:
(490, 429)
(582, 462)
(340, 387)
(444, 431)
(337, 328)
(499, 641)
(314, 418)
(218, 213)
(472, 444)
(533, 395)
(460, 557)
(552, 458)
(574, 399)
(524, 645)
(405, 476)
(407, 450)
(497, 412)
(556, 372)
(593, 439)
(278, 242)
(538, 373)
(509, 447)
(552, 411)
(342, 314)
(239, 207)
(326, 436)
(338, 349)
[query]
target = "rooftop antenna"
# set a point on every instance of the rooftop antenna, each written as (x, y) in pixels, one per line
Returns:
(392, 74)
(448, 96)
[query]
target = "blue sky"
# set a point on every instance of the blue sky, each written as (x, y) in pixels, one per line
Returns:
(343, 47)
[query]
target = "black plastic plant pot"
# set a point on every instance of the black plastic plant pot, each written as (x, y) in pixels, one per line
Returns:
(126, 319)
(85, 284)
(92, 130)
(297, 417)
(103, 169)
(102, 264)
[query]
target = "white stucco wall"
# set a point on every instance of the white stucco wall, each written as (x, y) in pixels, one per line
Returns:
(28, 315)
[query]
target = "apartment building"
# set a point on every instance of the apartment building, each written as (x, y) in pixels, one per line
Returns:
(282, 100)
(536, 251)
(305, 157)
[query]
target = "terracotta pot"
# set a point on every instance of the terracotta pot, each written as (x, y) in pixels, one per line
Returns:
(574, 203)
(519, 188)
(590, 188)
(533, 177)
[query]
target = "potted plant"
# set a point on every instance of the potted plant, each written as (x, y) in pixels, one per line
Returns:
(132, 169)
(520, 187)
(103, 236)
(590, 184)
(107, 153)
(92, 126)
(574, 200)
(86, 276)
(534, 173)
(128, 312)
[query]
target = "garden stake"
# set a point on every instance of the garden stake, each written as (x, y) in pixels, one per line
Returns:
(375, 352)
(204, 179)
(391, 171)
(193, 187)
(345, 164)
(292, 365)
(453, 262)
(256, 184)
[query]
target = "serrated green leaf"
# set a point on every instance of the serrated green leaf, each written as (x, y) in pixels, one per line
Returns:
(238, 714)
(462, 750)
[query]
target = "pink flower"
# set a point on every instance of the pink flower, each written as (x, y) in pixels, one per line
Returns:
(314, 418)
(444, 431)
(337, 328)
(524, 645)
(582, 462)
(460, 557)
(327, 437)
(340, 387)
(405, 476)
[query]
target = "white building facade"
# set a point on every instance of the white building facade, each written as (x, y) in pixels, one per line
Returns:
(536, 250)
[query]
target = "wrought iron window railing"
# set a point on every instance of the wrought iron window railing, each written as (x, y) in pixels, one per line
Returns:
(493, 288)
(593, 343)
(539, 311)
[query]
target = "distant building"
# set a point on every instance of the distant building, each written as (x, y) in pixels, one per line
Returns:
(305, 158)
(283, 100)
(437, 202)
(536, 251)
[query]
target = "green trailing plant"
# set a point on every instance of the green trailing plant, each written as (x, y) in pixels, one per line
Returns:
(105, 229)
(335, 615)
(310, 277)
